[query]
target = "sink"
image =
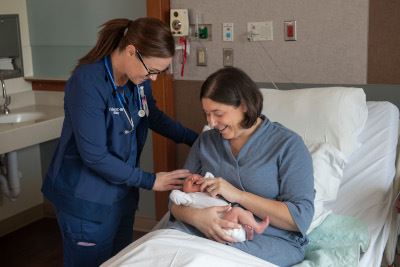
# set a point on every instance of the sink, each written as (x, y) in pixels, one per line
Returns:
(21, 117)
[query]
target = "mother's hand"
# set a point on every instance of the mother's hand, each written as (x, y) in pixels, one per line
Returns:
(219, 186)
(209, 221)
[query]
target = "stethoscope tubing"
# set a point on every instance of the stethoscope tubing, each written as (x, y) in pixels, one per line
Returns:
(121, 100)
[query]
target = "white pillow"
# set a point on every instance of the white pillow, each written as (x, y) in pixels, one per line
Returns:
(334, 115)
(328, 164)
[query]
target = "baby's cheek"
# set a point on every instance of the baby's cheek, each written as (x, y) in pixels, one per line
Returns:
(185, 187)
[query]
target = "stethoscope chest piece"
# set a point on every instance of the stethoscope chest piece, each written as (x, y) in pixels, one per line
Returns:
(128, 131)
(141, 113)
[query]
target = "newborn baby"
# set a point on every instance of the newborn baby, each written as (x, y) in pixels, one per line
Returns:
(191, 196)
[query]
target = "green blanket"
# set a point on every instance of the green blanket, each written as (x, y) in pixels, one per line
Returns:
(337, 242)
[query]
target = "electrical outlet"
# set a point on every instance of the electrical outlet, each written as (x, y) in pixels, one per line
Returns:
(201, 56)
(227, 57)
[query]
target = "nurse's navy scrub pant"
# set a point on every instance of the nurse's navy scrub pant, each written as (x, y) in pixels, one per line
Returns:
(87, 243)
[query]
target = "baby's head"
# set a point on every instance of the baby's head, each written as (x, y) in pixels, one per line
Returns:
(189, 185)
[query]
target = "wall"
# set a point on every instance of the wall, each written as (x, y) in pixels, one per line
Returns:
(63, 31)
(19, 7)
(331, 46)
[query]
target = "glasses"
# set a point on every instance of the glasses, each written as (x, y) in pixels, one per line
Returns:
(149, 72)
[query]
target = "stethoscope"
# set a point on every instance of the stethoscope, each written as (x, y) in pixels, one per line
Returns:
(143, 108)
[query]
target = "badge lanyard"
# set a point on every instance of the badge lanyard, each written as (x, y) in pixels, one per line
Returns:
(120, 98)
(143, 107)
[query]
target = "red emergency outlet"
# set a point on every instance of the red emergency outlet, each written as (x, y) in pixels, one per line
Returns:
(290, 30)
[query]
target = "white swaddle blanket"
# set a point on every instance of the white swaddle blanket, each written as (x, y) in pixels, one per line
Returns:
(203, 200)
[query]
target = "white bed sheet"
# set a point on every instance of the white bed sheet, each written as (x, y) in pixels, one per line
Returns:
(365, 193)
(366, 189)
(173, 248)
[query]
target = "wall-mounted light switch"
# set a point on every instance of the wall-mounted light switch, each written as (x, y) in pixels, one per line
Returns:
(201, 56)
(227, 57)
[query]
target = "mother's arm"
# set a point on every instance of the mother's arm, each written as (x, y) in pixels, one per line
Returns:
(207, 220)
(277, 211)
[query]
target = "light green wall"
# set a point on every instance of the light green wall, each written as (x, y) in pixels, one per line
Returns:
(56, 61)
(63, 31)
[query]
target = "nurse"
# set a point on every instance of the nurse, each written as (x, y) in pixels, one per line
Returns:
(94, 178)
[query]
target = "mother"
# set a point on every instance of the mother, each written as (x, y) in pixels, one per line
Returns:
(261, 166)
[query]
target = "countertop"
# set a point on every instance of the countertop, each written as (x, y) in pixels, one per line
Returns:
(14, 136)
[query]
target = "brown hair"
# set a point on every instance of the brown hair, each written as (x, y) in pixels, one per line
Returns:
(149, 35)
(232, 86)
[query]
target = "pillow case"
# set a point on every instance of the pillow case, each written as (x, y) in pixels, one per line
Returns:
(328, 165)
(334, 115)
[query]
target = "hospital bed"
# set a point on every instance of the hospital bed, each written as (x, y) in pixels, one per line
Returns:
(365, 201)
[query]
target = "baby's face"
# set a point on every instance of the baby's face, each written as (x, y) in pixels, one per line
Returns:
(190, 186)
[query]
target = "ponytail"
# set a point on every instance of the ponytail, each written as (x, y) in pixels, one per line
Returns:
(110, 36)
(149, 35)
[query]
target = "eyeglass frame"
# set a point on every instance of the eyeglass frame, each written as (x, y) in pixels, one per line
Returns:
(149, 72)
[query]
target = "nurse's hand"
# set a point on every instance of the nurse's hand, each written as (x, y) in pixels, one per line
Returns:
(166, 181)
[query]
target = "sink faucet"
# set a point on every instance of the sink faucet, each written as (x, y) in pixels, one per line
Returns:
(6, 99)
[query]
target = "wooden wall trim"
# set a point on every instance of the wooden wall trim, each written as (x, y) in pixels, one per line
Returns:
(164, 150)
(159, 9)
(46, 85)
(383, 42)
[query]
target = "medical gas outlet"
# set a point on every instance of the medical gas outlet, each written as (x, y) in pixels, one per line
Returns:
(179, 22)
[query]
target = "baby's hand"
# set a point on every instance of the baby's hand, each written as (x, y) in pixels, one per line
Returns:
(192, 183)
(197, 178)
